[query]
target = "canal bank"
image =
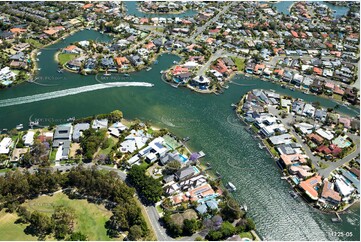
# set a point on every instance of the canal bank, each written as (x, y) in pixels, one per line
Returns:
(207, 119)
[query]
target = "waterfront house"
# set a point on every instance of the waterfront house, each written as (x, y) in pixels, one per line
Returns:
(75, 64)
(311, 186)
(72, 49)
(100, 124)
(171, 156)
(5, 145)
(78, 129)
(343, 187)
(301, 171)
(287, 160)
(329, 194)
(200, 82)
(185, 173)
(28, 138)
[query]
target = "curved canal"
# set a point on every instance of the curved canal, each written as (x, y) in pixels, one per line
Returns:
(208, 119)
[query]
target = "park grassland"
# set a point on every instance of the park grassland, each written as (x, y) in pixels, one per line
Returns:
(90, 218)
(9, 230)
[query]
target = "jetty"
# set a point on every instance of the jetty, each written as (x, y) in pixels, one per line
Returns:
(337, 219)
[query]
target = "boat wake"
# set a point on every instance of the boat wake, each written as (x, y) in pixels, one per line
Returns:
(68, 92)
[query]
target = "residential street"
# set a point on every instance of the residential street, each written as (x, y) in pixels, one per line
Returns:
(200, 29)
(316, 159)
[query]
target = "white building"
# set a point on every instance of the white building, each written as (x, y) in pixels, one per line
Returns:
(5, 145)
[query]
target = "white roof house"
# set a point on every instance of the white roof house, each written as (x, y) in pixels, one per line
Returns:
(343, 187)
(5, 145)
(326, 134)
(29, 138)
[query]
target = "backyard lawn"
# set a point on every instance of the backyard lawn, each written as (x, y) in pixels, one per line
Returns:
(239, 63)
(64, 58)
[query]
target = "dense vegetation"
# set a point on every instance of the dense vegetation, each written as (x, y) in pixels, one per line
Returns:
(149, 188)
(99, 186)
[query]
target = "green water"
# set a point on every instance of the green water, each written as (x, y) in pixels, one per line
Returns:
(210, 122)
(132, 9)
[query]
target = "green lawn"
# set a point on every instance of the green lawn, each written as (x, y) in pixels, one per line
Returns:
(90, 218)
(11, 231)
(112, 141)
(34, 43)
(53, 154)
(64, 58)
(246, 235)
(239, 63)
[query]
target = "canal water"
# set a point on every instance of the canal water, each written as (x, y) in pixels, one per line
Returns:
(284, 7)
(208, 119)
(132, 9)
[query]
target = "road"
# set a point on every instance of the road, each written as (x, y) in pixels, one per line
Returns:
(205, 67)
(200, 29)
(316, 159)
(152, 212)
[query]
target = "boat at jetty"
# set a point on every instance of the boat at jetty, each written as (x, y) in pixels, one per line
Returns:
(39, 53)
(19, 126)
(149, 68)
(126, 74)
(231, 187)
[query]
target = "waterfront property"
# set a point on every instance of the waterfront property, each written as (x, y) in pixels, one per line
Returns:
(296, 139)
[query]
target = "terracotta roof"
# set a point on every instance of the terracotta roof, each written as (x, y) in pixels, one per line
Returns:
(328, 192)
(291, 159)
(17, 30)
(309, 186)
(315, 137)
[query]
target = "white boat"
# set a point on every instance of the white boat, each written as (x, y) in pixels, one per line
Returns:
(232, 187)
(37, 59)
(39, 53)
(39, 69)
(107, 74)
(126, 74)
(161, 72)
(175, 62)
(245, 208)
(149, 68)
(19, 126)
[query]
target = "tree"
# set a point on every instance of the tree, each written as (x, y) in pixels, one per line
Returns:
(40, 225)
(172, 167)
(231, 210)
(250, 225)
(214, 235)
(63, 219)
(115, 116)
(150, 188)
(227, 229)
(135, 233)
(190, 226)
(77, 236)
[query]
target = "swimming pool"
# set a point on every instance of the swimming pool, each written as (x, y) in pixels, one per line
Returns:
(295, 180)
(183, 158)
(196, 169)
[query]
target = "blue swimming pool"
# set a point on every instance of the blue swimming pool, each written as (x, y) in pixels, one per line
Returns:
(295, 180)
(183, 158)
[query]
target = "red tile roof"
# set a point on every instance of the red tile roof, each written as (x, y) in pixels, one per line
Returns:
(309, 186)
